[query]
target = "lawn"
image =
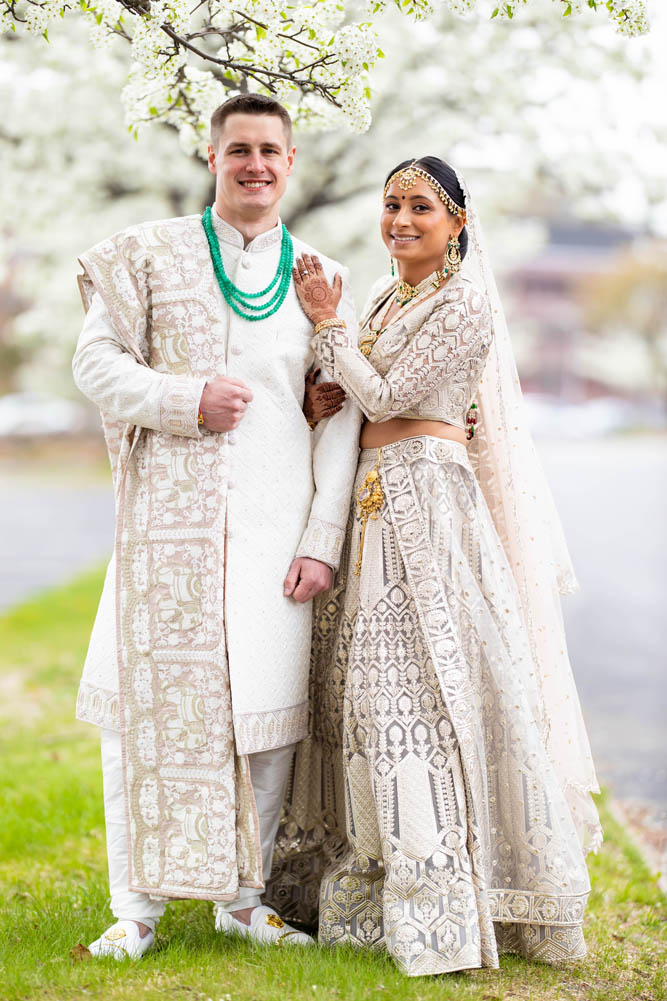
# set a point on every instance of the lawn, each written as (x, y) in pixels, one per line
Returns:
(53, 875)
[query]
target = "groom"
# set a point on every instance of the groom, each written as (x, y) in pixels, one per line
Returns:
(230, 519)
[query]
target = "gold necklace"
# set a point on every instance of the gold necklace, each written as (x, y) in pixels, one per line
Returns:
(405, 292)
(367, 341)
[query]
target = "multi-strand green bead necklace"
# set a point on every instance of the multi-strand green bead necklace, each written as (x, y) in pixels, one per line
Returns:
(242, 302)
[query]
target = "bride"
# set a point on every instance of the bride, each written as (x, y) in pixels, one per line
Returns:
(441, 808)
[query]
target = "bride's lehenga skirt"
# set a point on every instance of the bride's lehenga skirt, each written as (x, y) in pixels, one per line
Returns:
(423, 815)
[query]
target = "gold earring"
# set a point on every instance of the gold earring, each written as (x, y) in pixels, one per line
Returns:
(453, 255)
(391, 260)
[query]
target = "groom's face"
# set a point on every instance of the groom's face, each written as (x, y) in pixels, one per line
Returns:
(252, 161)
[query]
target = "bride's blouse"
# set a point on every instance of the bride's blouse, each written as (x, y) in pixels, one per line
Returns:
(426, 364)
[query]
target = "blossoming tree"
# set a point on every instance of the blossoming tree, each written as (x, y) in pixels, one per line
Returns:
(315, 56)
(72, 174)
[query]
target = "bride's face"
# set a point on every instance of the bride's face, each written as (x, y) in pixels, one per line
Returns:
(416, 226)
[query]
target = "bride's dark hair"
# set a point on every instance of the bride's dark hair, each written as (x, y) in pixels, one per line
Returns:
(446, 178)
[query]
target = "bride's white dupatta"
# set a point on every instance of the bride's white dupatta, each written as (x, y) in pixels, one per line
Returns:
(522, 507)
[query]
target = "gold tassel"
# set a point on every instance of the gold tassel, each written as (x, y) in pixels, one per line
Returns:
(370, 500)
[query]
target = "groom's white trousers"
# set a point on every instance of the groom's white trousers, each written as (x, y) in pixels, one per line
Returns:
(269, 771)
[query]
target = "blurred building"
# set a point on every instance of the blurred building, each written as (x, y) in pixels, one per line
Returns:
(547, 295)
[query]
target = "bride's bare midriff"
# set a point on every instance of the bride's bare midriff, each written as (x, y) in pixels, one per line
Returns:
(377, 435)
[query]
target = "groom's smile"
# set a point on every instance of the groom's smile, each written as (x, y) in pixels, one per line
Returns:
(252, 160)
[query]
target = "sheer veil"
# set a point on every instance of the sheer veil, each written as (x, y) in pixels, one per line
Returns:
(522, 507)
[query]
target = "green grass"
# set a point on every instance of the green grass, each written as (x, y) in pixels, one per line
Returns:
(53, 875)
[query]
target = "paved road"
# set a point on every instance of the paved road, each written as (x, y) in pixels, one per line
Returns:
(611, 496)
(49, 530)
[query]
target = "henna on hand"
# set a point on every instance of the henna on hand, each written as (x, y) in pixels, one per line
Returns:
(317, 296)
(323, 400)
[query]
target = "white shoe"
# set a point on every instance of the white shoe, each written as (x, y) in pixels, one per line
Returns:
(265, 927)
(122, 941)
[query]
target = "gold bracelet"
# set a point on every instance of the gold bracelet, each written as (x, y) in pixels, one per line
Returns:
(312, 425)
(200, 419)
(333, 321)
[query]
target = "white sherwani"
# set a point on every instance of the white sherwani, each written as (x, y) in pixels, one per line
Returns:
(194, 643)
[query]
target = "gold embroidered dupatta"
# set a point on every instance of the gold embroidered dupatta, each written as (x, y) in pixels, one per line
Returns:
(192, 821)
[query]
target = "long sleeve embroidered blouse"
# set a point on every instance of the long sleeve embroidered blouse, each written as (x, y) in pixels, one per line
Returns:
(428, 362)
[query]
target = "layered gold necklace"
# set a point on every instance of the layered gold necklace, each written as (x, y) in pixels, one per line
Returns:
(404, 294)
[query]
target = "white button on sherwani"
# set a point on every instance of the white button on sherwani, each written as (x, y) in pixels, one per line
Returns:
(196, 655)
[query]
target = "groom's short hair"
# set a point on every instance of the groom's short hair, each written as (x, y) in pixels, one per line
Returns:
(248, 104)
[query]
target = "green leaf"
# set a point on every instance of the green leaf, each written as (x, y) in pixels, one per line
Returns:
(45, 34)
(153, 110)
(367, 92)
(260, 32)
(380, 54)
(496, 12)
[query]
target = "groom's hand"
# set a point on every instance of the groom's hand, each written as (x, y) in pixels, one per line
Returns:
(224, 403)
(307, 578)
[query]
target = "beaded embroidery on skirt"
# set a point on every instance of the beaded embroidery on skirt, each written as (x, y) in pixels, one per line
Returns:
(459, 842)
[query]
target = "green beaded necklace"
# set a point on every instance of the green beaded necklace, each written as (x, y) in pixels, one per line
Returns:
(235, 297)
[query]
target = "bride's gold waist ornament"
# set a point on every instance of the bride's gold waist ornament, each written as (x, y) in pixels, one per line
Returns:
(370, 499)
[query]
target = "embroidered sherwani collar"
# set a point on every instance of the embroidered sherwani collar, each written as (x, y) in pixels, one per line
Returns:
(229, 234)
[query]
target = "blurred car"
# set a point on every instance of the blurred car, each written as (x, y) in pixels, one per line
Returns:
(40, 414)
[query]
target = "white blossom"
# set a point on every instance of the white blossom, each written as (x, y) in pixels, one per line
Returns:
(461, 7)
(61, 111)
(356, 45)
(316, 55)
(630, 16)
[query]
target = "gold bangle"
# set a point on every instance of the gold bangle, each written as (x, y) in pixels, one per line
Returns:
(332, 321)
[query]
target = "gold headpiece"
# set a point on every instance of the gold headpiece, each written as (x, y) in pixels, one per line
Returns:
(408, 177)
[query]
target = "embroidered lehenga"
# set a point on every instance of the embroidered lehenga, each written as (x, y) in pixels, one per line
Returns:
(429, 813)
